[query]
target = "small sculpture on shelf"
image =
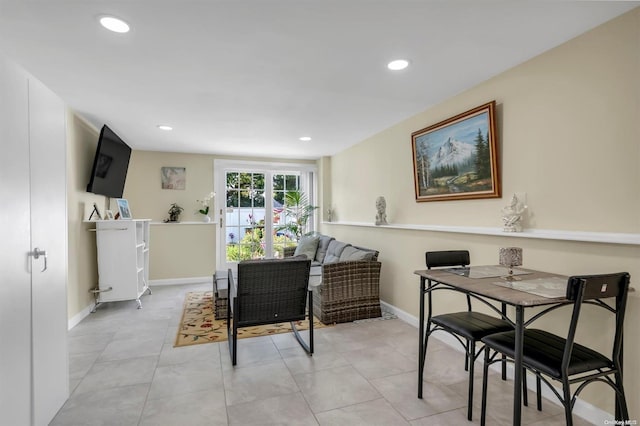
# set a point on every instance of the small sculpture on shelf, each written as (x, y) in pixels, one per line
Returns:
(329, 214)
(174, 213)
(381, 215)
(512, 215)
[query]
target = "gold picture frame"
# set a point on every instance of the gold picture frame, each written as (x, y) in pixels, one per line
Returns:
(457, 158)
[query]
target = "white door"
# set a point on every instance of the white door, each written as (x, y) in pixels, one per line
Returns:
(15, 281)
(33, 312)
(48, 233)
(251, 208)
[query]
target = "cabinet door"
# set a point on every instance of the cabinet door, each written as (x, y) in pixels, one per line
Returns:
(48, 232)
(15, 281)
(34, 379)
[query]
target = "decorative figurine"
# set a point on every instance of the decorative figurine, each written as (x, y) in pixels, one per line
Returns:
(381, 207)
(512, 215)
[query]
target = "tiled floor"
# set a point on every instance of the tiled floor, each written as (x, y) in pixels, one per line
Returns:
(124, 370)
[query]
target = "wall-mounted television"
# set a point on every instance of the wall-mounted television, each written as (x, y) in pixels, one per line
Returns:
(110, 165)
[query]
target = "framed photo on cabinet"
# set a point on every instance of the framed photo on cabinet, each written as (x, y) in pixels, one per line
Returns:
(123, 208)
(457, 158)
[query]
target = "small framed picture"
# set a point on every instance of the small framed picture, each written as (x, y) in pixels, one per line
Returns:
(109, 215)
(123, 208)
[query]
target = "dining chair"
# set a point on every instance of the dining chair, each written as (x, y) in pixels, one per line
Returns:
(468, 327)
(561, 358)
(269, 291)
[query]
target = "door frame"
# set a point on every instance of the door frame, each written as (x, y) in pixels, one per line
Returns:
(222, 166)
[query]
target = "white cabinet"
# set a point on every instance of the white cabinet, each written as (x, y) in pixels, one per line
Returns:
(123, 259)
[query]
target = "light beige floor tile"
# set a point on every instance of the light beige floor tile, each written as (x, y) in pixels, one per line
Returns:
(453, 417)
(80, 364)
(103, 407)
(402, 392)
(381, 361)
(188, 377)
(251, 352)
(372, 413)
(87, 343)
(184, 354)
(300, 362)
(500, 403)
(275, 381)
(258, 382)
(446, 366)
(289, 409)
(132, 348)
(113, 374)
(335, 388)
(193, 409)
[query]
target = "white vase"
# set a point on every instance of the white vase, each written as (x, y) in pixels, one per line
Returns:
(206, 219)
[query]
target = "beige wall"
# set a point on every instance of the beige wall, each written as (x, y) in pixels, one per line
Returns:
(176, 250)
(82, 140)
(569, 138)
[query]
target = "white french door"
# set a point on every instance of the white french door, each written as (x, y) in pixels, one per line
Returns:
(250, 208)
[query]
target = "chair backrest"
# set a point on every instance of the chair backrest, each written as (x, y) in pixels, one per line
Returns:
(437, 259)
(589, 287)
(272, 290)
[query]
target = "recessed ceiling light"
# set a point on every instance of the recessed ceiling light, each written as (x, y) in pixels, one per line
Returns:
(114, 24)
(164, 127)
(305, 138)
(398, 64)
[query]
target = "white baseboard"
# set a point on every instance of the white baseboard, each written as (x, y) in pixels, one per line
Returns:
(178, 281)
(581, 409)
(80, 316)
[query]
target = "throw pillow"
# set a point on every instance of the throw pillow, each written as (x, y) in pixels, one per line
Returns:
(323, 245)
(352, 253)
(334, 251)
(307, 246)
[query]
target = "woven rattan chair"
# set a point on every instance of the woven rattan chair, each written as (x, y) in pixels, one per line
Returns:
(269, 292)
(561, 358)
(468, 327)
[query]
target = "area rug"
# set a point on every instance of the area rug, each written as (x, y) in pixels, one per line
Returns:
(198, 324)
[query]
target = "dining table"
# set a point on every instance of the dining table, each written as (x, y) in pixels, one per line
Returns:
(525, 288)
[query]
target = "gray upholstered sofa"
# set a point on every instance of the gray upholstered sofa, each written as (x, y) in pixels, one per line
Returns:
(350, 288)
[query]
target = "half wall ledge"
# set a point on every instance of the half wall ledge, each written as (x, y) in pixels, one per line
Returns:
(541, 234)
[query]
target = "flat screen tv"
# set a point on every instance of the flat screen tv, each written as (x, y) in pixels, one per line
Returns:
(110, 165)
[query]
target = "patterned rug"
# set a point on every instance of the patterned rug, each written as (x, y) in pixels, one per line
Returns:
(198, 324)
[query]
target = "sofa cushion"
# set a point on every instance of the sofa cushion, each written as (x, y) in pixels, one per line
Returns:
(323, 245)
(352, 253)
(334, 251)
(307, 246)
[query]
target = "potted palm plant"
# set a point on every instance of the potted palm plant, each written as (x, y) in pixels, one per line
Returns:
(297, 211)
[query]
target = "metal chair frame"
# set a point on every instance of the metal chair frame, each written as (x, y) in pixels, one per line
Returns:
(269, 292)
(581, 290)
(455, 258)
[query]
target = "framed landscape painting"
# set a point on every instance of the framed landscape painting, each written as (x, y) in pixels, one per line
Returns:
(457, 158)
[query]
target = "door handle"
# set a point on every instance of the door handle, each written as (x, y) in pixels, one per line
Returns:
(36, 253)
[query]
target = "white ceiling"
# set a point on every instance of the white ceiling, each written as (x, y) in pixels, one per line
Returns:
(249, 77)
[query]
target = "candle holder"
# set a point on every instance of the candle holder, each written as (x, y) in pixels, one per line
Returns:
(510, 257)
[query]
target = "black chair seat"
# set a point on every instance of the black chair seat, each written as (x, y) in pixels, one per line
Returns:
(543, 351)
(471, 325)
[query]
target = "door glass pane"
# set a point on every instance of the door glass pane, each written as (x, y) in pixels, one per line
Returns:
(245, 216)
(284, 235)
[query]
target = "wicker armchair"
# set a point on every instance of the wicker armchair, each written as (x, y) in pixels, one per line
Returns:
(350, 290)
(268, 292)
